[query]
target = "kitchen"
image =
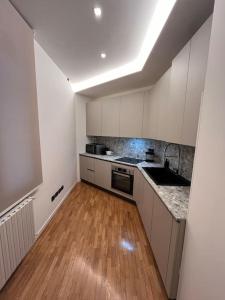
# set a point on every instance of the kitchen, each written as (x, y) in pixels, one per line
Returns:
(112, 149)
(162, 208)
(143, 146)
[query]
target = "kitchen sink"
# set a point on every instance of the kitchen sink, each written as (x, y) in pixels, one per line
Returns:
(165, 176)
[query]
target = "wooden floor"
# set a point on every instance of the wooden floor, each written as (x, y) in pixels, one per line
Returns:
(94, 248)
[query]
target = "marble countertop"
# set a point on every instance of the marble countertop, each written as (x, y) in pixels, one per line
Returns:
(175, 198)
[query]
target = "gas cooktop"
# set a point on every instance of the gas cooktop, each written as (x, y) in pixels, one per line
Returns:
(129, 160)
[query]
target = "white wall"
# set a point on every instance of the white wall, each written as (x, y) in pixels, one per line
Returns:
(20, 157)
(80, 117)
(57, 136)
(203, 265)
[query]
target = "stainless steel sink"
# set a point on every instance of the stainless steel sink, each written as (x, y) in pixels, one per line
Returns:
(164, 176)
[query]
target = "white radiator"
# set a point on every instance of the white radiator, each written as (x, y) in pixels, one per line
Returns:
(16, 238)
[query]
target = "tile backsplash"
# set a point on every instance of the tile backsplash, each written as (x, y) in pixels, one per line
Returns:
(137, 147)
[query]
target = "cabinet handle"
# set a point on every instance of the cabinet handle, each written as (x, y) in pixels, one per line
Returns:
(90, 170)
(121, 174)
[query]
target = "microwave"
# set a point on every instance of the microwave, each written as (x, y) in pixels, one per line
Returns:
(93, 148)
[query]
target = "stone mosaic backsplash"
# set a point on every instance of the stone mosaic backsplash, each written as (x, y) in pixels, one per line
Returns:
(137, 148)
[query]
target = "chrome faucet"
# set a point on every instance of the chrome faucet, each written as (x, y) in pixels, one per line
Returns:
(169, 156)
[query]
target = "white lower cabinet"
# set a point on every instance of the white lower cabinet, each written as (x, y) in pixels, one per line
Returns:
(143, 195)
(164, 233)
(103, 174)
(175, 256)
(147, 208)
(161, 234)
(87, 168)
(138, 187)
(99, 172)
(95, 171)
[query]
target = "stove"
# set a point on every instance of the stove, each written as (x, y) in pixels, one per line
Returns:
(129, 160)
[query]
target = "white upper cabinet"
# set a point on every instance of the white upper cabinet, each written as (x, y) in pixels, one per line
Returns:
(131, 115)
(94, 118)
(169, 111)
(195, 83)
(186, 87)
(178, 86)
(156, 109)
(110, 116)
(150, 114)
(163, 87)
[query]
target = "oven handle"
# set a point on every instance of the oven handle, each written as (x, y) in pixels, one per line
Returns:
(121, 174)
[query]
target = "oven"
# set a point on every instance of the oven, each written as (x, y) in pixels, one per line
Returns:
(122, 179)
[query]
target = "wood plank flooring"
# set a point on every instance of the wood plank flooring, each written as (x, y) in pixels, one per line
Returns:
(94, 248)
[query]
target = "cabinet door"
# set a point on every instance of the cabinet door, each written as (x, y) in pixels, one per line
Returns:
(131, 114)
(156, 109)
(103, 174)
(138, 187)
(110, 116)
(195, 84)
(146, 208)
(93, 118)
(163, 91)
(178, 85)
(90, 176)
(150, 115)
(161, 235)
(83, 167)
(175, 255)
(87, 168)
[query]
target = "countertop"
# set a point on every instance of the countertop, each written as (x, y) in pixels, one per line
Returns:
(175, 198)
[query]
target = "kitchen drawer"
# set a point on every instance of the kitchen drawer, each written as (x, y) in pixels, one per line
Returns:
(87, 168)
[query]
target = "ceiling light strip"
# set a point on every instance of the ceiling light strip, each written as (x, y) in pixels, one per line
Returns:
(158, 21)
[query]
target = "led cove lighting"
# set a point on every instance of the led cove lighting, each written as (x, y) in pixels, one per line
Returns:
(158, 20)
(103, 55)
(98, 12)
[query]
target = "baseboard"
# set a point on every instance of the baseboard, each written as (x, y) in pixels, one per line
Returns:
(54, 211)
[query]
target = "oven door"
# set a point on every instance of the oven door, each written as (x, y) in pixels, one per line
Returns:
(122, 182)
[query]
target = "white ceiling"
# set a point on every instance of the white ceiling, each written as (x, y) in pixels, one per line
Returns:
(71, 35)
(74, 39)
(185, 19)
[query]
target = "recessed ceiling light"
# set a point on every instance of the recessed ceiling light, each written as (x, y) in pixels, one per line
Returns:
(103, 55)
(98, 12)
